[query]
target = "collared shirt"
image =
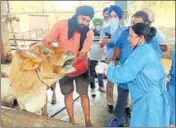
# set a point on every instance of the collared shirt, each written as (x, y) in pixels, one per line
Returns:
(124, 46)
(59, 32)
(109, 49)
(158, 40)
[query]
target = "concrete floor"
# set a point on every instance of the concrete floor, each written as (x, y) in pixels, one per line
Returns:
(60, 105)
(100, 117)
(99, 114)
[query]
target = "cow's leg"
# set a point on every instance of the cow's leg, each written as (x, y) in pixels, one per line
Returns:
(45, 109)
(54, 93)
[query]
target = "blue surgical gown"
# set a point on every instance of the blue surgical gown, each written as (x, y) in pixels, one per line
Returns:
(124, 45)
(171, 88)
(145, 75)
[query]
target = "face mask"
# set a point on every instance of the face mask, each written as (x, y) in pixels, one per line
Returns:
(98, 28)
(114, 24)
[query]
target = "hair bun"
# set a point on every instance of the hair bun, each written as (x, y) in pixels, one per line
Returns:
(152, 31)
(150, 34)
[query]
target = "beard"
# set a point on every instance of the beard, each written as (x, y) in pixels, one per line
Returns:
(82, 28)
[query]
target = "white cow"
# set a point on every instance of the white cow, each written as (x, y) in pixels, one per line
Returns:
(34, 71)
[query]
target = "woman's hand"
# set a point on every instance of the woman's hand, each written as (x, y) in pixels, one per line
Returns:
(101, 68)
(9, 57)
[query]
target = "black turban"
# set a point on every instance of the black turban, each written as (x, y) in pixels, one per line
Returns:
(85, 11)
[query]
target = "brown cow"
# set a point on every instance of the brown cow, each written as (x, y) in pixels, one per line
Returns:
(34, 71)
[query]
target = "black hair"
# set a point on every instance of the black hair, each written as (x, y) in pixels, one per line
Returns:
(143, 15)
(142, 29)
(105, 9)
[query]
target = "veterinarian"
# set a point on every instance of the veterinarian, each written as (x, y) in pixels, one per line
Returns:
(144, 72)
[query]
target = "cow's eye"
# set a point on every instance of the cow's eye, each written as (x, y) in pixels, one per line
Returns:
(46, 52)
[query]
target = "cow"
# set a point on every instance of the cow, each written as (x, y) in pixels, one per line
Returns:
(34, 71)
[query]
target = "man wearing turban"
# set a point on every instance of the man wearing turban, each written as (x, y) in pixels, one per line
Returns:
(74, 35)
(108, 37)
(98, 24)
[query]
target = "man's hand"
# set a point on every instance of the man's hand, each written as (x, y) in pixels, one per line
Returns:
(54, 44)
(116, 54)
(9, 57)
(105, 41)
(4, 75)
(80, 57)
(163, 48)
(49, 44)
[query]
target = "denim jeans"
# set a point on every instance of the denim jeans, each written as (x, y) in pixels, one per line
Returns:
(121, 103)
(92, 74)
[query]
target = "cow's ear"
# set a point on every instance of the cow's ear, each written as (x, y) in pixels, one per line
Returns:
(30, 64)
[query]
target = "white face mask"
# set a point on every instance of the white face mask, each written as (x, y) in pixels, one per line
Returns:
(98, 28)
(114, 24)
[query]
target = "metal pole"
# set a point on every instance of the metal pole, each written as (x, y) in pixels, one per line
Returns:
(124, 6)
(10, 21)
(43, 7)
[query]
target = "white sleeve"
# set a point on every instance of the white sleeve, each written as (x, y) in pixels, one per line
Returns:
(161, 38)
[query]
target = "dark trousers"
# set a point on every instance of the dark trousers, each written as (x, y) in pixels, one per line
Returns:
(92, 74)
(121, 103)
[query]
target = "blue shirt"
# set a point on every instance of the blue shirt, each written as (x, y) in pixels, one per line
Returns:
(172, 70)
(171, 87)
(158, 40)
(111, 45)
(124, 46)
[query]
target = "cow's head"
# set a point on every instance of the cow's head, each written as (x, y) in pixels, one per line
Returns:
(55, 57)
